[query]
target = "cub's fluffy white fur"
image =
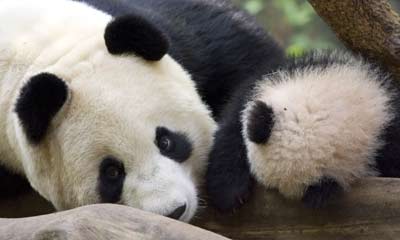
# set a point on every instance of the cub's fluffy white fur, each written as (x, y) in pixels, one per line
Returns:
(114, 105)
(327, 123)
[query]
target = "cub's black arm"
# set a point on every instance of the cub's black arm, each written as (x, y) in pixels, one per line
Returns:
(229, 181)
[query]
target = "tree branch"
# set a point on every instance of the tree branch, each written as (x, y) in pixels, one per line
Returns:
(370, 27)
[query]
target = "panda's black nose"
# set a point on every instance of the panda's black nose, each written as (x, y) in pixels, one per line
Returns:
(178, 212)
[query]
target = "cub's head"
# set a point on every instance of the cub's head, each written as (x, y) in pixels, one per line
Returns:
(115, 120)
(320, 117)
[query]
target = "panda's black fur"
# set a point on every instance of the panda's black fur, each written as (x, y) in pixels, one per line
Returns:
(387, 158)
(110, 185)
(133, 34)
(44, 89)
(12, 184)
(262, 117)
(218, 44)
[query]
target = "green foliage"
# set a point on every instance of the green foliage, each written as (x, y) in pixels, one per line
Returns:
(254, 6)
(297, 14)
(293, 23)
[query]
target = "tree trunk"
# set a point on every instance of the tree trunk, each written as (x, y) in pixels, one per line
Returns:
(369, 27)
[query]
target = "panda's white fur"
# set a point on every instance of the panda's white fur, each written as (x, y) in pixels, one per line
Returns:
(327, 123)
(114, 105)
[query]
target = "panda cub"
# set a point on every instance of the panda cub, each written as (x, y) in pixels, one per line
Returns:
(310, 129)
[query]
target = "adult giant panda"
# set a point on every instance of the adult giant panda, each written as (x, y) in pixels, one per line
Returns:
(95, 110)
(310, 129)
(98, 108)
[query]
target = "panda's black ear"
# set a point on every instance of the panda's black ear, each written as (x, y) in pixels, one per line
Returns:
(38, 102)
(260, 123)
(135, 34)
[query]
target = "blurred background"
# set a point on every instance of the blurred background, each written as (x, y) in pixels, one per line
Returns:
(294, 23)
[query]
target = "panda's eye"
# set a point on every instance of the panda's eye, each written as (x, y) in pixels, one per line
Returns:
(111, 180)
(165, 144)
(174, 145)
(113, 172)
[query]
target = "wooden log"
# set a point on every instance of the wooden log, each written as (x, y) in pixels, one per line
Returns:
(370, 27)
(371, 210)
(101, 222)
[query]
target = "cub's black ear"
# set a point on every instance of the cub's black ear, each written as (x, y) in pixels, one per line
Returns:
(39, 101)
(135, 34)
(260, 123)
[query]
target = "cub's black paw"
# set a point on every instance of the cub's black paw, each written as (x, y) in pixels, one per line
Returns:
(319, 194)
(228, 192)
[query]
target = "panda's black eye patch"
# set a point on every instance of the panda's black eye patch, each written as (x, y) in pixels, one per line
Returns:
(173, 145)
(111, 180)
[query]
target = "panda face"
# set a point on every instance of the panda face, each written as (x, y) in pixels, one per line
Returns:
(98, 112)
(322, 119)
(131, 132)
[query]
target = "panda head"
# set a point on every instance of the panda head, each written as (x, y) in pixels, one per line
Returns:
(115, 120)
(320, 117)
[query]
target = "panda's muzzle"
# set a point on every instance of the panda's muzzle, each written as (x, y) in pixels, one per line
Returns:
(178, 212)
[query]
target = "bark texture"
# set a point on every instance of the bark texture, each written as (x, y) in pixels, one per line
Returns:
(371, 210)
(101, 222)
(370, 27)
